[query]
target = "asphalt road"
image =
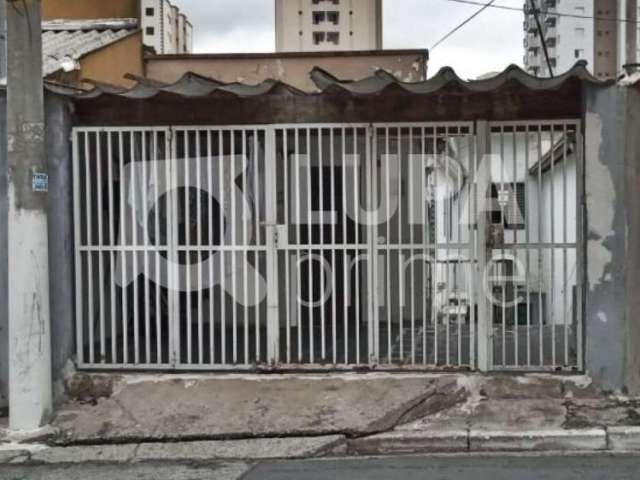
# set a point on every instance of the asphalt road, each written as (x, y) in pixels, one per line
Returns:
(401, 468)
(456, 468)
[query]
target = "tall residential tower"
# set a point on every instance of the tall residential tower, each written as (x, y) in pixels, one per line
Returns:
(605, 33)
(328, 25)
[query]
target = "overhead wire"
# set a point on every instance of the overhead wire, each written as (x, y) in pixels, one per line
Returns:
(550, 14)
(459, 26)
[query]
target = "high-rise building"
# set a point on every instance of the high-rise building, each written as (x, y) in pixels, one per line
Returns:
(568, 39)
(165, 28)
(605, 33)
(328, 25)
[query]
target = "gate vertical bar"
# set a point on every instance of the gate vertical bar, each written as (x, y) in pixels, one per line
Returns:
(372, 234)
(482, 174)
(78, 239)
(273, 329)
(580, 242)
(172, 252)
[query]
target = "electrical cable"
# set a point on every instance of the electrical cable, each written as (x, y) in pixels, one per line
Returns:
(454, 30)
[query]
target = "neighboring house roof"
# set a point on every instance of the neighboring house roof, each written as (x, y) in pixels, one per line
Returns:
(194, 85)
(64, 42)
(382, 80)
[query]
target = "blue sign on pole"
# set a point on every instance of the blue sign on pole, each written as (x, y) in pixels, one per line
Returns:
(40, 182)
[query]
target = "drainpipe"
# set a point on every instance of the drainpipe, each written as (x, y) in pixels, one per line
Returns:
(30, 392)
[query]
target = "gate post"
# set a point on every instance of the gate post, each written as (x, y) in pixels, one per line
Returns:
(483, 183)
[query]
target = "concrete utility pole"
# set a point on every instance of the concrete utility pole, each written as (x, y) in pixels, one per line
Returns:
(3, 40)
(30, 392)
(632, 31)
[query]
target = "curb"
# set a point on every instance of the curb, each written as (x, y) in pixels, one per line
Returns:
(615, 439)
(624, 439)
(410, 442)
(538, 441)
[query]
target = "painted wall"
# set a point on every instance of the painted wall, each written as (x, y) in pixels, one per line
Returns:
(293, 69)
(85, 9)
(612, 237)
(111, 63)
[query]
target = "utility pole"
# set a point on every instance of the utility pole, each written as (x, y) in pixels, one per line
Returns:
(3, 40)
(631, 33)
(30, 391)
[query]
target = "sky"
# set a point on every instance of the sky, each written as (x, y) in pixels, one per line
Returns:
(489, 43)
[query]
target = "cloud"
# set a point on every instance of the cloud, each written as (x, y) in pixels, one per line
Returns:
(489, 42)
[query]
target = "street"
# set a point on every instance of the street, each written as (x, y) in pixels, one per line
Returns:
(520, 467)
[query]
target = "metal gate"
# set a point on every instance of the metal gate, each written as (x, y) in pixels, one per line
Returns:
(328, 246)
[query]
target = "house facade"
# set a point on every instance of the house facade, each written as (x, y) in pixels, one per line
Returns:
(378, 225)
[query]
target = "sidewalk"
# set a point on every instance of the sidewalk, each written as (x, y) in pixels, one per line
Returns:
(141, 418)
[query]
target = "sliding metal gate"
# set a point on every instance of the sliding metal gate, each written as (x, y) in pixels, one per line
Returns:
(329, 246)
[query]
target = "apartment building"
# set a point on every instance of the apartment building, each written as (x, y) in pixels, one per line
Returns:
(605, 33)
(568, 38)
(165, 28)
(328, 25)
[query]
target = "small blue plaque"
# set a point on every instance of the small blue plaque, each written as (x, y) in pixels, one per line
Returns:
(40, 182)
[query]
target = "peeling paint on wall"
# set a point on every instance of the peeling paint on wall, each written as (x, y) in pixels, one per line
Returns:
(600, 203)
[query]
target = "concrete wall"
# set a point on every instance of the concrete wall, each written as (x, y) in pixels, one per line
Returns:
(4, 301)
(83, 9)
(612, 180)
(292, 68)
(61, 252)
(632, 357)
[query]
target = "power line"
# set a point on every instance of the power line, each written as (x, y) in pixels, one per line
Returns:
(482, 9)
(544, 40)
(549, 14)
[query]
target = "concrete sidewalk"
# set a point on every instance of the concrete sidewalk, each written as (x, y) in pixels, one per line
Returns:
(139, 418)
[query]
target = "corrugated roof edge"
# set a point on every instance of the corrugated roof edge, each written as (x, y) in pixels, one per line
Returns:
(375, 84)
(63, 24)
(192, 85)
(189, 85)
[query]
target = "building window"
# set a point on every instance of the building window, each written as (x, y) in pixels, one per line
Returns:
(579, 32)
(150, 31)
(333, 17)
(317, 2)
(579, 53)
(318, 17)
(580, 10)
(150, 12)
(318, 38)
(333, 37)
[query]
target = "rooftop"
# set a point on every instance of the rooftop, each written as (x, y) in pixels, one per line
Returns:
(64, 42)
(192, 85)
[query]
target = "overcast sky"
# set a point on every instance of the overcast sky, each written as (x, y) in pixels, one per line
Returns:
(489, 42)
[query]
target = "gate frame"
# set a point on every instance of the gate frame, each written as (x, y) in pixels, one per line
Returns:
(483, 362)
